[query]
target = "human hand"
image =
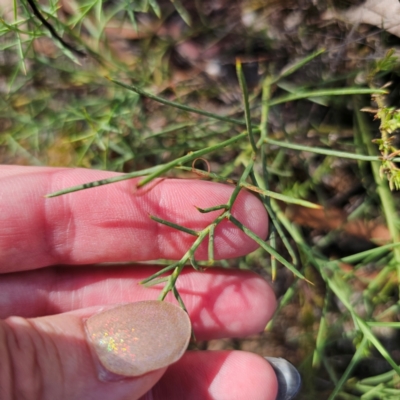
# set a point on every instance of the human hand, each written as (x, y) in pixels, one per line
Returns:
(45, 352)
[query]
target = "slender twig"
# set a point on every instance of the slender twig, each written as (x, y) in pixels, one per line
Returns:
(152, 172)
(245, 95)
(52, 31)
(174, 104)
(327, 152)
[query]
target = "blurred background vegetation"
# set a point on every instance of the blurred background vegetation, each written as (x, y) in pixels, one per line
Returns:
(306, 64)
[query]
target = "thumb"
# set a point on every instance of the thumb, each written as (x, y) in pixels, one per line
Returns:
(108, 353)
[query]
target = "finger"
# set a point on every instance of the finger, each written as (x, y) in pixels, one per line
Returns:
(53, 357)
(220, 302)
(92, 353)
(217, 375)
(111, 223)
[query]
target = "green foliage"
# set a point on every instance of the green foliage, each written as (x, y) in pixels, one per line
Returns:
(389, 121)
(388, 63)
(126, 113)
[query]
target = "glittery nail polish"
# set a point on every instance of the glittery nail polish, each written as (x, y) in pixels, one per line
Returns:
(136, 338)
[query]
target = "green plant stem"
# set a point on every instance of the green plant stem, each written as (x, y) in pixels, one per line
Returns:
(158, 273)
(294, 67)
(175, 226)
(152, 172)
(251, 188)
(245, 95)
(278, 219)
(266, 247)
(242, 179)
(337, 285)
(211, 244)
(322, 333)
(328, 152)
(379, 251)
(356, 357)
(283, 301)
(265, 97)
(325, 92)
(177, 271)
(189, 157)
(382, 378)
(177, 105)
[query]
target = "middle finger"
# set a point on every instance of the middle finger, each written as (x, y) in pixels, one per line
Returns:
(220, 302)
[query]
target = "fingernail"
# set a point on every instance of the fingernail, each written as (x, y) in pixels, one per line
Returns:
(136, 338)
(289, 379)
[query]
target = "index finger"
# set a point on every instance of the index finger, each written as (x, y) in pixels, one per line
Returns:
(111, 223)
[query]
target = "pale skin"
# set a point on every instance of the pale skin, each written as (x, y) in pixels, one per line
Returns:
(45, 355)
